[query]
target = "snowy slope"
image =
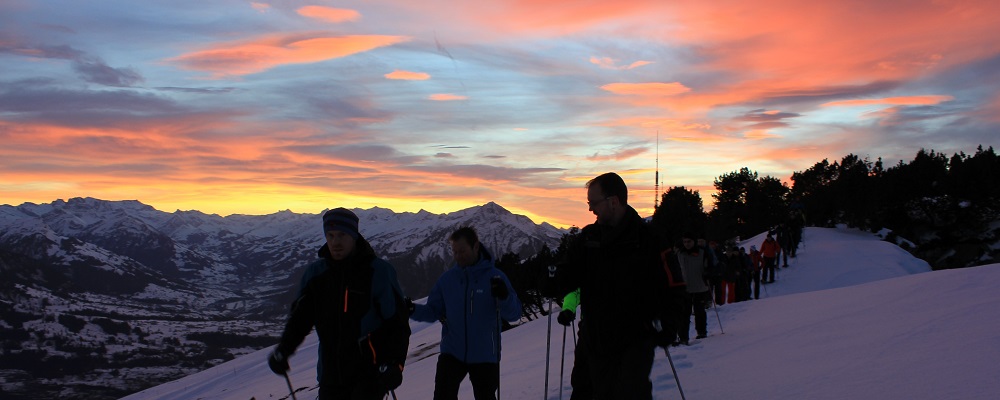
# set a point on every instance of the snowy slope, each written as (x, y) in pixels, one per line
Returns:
(852, 318)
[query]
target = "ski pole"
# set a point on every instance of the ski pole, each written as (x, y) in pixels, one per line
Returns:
(716, 308)
(289, 382)
(548, 347)
(499, 330)
(676, 378)
(562, 364)
(573, 323)
(548, 339)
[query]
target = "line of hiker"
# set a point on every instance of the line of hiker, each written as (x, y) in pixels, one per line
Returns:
(636, 292)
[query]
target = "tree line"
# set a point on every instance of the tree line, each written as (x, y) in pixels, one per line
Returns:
(943, 205)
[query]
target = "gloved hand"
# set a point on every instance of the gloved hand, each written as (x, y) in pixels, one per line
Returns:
(566, 317)
(390, 376)
(410, 308)
(663, 335)
(498, 288)
(278, 362)
(548, 285)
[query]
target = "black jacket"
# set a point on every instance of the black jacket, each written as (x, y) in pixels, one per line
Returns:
(622, 282)
(357, 308)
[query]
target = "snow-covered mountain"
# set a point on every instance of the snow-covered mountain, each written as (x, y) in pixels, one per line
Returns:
(853, 317)
(117, 291)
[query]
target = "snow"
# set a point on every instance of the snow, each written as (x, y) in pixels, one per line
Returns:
(852, 318)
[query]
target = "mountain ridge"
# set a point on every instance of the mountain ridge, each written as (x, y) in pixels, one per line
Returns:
(126, 274)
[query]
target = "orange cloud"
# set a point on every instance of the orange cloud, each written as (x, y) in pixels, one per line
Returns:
(408, 75)
(901, 101)
(329, 14)
(649, 89)
(696, 137)
(666, 124)
(446, 97)
(271, 51)
(758, 134)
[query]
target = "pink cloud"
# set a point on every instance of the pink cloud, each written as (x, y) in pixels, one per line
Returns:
(446, 97)
(899, 101)
(609, 63)
(648, 89)
(261, 7)
(268, 52)
(623, 154)
(329, 14)
(408, 75)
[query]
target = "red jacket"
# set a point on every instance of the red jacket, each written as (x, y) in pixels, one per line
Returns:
(755, 260)
(769, 248)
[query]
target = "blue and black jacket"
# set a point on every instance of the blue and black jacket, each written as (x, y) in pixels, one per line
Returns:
(469, 314)
(357, 308)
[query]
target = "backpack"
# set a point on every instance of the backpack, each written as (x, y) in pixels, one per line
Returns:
(673, 269)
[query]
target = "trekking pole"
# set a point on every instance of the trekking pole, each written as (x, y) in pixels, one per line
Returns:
(716, 308)
(573, 323)
(548, 347)
(499, 329)
(289, 382)
(548, 339)
(562, 364)
(676, 378)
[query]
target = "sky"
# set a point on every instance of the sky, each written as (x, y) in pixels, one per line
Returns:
(853, 317)
(254, 107)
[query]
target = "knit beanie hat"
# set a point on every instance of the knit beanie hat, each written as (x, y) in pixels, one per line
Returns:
(341, 219)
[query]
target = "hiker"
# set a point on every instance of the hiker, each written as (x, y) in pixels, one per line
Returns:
(769, 252)
(470, 299)
(615, 262)
(756, 262)
(354, 301)
(694, 264)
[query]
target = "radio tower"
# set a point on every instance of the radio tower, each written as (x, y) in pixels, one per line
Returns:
(656, 183)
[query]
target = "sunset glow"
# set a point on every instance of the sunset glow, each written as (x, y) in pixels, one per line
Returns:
(261, 106)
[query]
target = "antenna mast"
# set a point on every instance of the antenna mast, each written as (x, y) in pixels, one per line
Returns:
(656, 183)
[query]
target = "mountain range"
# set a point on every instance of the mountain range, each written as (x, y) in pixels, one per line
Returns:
(112, 291)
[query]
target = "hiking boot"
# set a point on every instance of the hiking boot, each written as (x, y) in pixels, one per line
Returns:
(701, 336)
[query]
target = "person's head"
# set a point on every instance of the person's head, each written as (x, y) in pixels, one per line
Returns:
(743, 250)
(340, 227)
(701, 242)
(607, 197)
(465, 246)
(687, 240)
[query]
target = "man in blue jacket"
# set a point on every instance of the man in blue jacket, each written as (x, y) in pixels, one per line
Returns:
(469, 299)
